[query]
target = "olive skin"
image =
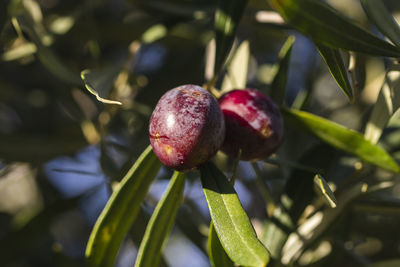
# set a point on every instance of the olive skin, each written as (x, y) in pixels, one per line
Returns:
(253, 124)
(186, 128)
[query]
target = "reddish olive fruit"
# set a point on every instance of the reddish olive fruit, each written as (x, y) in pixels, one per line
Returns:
(186, 128)
(253, 124)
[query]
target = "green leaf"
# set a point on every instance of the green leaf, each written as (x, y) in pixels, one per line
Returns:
(383, 19)
(227, 18)
(278, 86)
(276, 231)
(121, 210)
(232, 225)
(342, 138)
(100, 82)
(216, 252)
(386, 105)
(317, 225)
(327, 26)
(337, 68)
(236, 77)
(46, 56)
(325, 191)
(161, 222)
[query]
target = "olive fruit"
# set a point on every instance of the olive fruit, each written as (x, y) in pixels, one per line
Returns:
(186, 128)
(253, 124)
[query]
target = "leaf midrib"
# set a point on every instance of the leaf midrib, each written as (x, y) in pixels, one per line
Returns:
(240, 235)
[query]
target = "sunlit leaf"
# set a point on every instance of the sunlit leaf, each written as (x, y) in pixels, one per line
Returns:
(325, 25)
(231, 222)
(161, 222)
(19, 52)
(386, 105)
(320, 222)
(101, 82)
(383, 19)
(278, 86)
(216, 252)
(62, 24)
(325, 191)
(227, 18)
(236, 77)
(121, 210)
(337, 68)
(154, 33)
(342, 138)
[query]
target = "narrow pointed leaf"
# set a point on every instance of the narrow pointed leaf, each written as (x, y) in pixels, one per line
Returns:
(231, 222)
(120, 212)
(337, 68)
(342, 138)
(227, 18)
(325, 191)
(161, 222)
(386, 105)
(325, 25)
(100, 83)
(216, 252)
(278, 86)
(383, 19)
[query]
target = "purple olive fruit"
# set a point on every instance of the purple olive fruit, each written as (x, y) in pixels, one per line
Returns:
(186, 128)
(253, 124)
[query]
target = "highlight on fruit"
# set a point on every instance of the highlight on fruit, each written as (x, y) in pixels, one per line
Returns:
(253, 124)
(186, 127)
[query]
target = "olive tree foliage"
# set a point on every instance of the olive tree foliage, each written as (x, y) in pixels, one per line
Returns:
(87, 74)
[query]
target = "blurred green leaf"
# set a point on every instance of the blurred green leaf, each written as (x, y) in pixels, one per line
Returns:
(276, 231)
(342, 138)
(337, 68)
(232, 225)
(278, 86)
(227, 18)
(52, 63)
(320, 222)
(327, 26)
(386, 263)
(40, 148)
(383, 19)
(154, 33)
(236, 77)
(216, 252)
(19, 52)
(121, 210)
(24, 239)
(325, 191)
(386, 105)
(161, 222)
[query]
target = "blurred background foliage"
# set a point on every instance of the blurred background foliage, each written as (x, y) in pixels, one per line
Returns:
(62, 151)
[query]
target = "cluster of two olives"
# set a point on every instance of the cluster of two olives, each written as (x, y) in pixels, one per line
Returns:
(188, 126)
